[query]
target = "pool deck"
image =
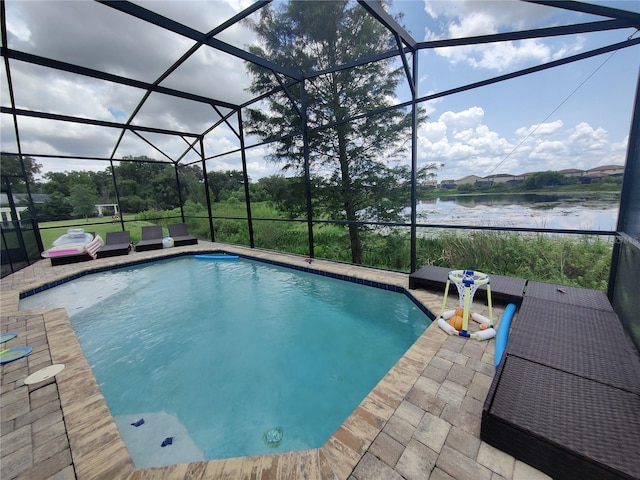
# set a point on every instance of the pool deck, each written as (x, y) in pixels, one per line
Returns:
(422, 420)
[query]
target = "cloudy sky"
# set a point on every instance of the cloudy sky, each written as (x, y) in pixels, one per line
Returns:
(575, 116)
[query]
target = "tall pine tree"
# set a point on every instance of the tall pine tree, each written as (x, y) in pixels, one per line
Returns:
(352, 162)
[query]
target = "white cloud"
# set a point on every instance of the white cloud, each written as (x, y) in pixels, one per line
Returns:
(540, 129)
(94, 35)
(19, 27)
(433, 131)
(592, 138)
(467, 18)
(43, 89)
(567, 49)
(461, 141)
(548, 151)
(504, 12)
(466, 145)
(464, 119)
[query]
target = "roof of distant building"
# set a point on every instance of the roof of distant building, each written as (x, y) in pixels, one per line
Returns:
(605, 167)
(17, 197)
(468, 177)
(499, 175)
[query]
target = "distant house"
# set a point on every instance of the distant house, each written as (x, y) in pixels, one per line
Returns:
(606, 171)
(18, 200)
(572, 172)
(429, 184)
(469, 179)
(521, 177)
(584, 176)
(501, 178)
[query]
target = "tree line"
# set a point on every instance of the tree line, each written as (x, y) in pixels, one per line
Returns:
(546, 180)
(144, 185)
(343, 161)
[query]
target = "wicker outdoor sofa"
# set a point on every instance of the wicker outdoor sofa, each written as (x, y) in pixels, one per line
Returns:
(180, 235)
(565, 398)
(503, 289)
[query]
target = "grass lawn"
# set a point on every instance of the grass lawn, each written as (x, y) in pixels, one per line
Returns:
(98, 225)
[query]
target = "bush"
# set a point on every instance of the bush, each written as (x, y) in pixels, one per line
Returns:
(579, 261)
(582, 262)
(58, 207)
(132, 204)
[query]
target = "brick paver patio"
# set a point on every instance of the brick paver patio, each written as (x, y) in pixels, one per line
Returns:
(422, 421)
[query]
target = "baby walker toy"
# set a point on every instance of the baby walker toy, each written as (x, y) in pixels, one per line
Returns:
(456, 322)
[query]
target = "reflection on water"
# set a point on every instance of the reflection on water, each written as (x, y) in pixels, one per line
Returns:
(562, 211)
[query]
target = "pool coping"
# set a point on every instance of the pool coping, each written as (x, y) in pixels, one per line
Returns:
(98, 450)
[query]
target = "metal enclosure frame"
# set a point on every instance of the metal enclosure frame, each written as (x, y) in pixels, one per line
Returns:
(628, 229)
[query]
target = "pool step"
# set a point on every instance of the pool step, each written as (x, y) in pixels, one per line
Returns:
(157, 439)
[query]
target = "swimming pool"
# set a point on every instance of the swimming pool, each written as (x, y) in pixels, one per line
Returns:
(225, 381)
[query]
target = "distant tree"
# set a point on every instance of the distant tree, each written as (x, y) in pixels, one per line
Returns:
(103, 180)
(164, 189)
(222, 184)
(145, 178)
(192, 184)
(139, 168)
(286, 194)
(273, 185)
(134, 176)
(10, 168)
(56, 182)
(465, 187)
(607, 180)
(545, 179)
(83, 197)
(354, 157)
(128, 187)
(143, 184)
(61, 182)
(133, 204)
(257, 192)
(57, 207)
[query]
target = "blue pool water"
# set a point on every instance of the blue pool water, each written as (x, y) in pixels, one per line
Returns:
(223, 357)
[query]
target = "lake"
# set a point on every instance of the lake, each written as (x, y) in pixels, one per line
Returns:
(583, 211)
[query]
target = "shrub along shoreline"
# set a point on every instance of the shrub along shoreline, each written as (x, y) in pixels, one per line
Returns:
(582, 261)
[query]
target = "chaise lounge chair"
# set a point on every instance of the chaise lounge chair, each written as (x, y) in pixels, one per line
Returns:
(75, 254)
(151, 238)
(118, 243)
(180, 235)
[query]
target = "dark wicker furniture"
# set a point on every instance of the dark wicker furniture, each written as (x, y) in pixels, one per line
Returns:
(180, 235)
(68, 259)
(566, 396)
(117, 243)
(151, 238)
(503, 289)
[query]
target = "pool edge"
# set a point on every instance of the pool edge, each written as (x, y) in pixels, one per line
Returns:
(335, 459)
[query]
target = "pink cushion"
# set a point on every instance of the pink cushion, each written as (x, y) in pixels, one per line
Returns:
(60, 252)
(93, 246)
